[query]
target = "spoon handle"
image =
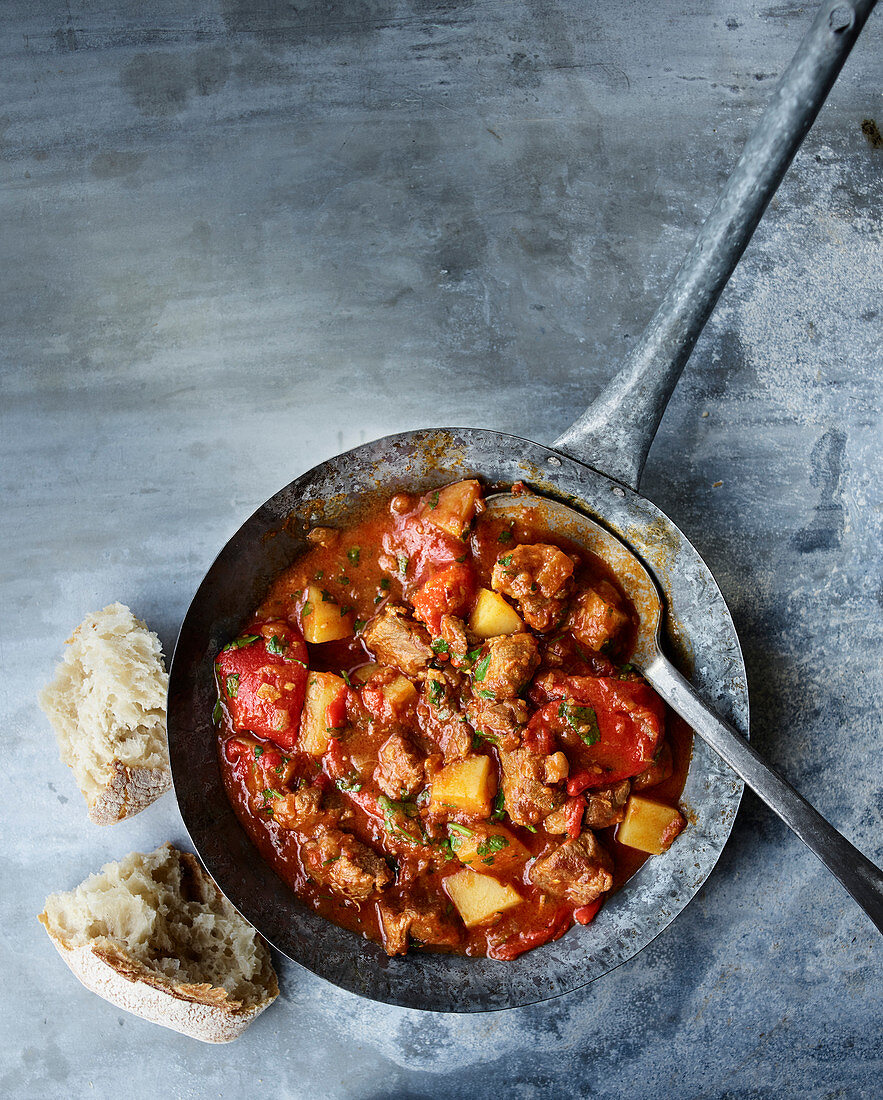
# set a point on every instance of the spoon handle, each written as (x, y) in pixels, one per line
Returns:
(860, 877)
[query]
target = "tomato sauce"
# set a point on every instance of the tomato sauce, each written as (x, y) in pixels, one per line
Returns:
(414, 776)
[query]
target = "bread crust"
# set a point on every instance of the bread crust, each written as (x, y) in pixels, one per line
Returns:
(200, 1010)
(129, 790)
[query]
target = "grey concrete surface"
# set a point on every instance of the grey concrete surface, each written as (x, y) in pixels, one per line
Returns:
(239, 236)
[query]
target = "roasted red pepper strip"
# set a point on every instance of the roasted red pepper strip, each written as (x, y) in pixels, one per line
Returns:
(574, 809)
(586, 913)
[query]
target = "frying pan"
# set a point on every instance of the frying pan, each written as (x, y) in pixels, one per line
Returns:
(595, 467)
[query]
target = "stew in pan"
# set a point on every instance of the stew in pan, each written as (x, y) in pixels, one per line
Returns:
(431, 731)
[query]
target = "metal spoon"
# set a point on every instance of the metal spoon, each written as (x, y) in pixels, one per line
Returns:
(860, 877)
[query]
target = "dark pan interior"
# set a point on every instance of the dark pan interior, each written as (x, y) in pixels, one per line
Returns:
(699, 635)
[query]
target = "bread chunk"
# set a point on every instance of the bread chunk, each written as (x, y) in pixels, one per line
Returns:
(107, 705)
(153, 935)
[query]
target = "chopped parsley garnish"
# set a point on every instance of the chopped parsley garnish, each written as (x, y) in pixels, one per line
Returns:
(384, 583)
(433, 500)
(472, 654)
(479, 736)
(402, 561)
(240, 643)
(258, 751)
(349, 784)
(276, 645)
(482, 667)
(353, 554)
(269, 792)
(308, 609)
(504, 536)
(499, 806)
(507, 560)
(493, 844)
(346, 677)
(326, 596)
(582, 720)
(461, 830)
(358, 624)
(436, 692)
(217, 713)
(439, 645)
(393, 810)
(485, 694)
(345, 611)
(626, 671)
(233, 685)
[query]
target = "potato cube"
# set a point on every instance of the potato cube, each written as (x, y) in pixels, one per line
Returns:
(493, 615)
(484, 846)
(323, 619)
(477, 897)
(400, 692)
(324, 691)
(467, 785)
(649, 826)
(361, 675)
(453, 507)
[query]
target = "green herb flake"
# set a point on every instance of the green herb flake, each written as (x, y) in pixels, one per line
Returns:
(232, 685)
(345, 611)
(346, 677)
(507, 560)
(626, 671)
(326, 596)
(217, 713)
(436, 692)
(258, 751)
(582, 720)
(402, 561)
(433, 500)
(439, 645)
(333, 859)
(485, 694)
(349, 784)
(461, 559)
(493, 844)
(270, 792)
(359, 624)
(353, 554)
(504, 536)
(241, 643)
(384, 583)
(499, 806)
(308, 609)
(460, 830)
(276, 645)
(473, 654)
(482, 667)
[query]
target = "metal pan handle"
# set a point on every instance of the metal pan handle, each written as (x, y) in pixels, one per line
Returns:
(614, 434)
(856, 872)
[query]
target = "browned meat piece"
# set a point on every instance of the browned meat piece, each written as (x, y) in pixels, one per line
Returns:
(526, 793)
(660, 770)
(396, 640)
(555, 768)
(579, 870)
(301, 810)
(539, 577)
(454, 633)
(440, 717)
(513, 659)
(399, 772)
(598, 616)
(606, 805)
(498, 721)
(424, 922)
(344, 864)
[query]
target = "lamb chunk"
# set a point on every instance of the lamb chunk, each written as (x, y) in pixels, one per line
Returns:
(440, 717)
(538, 576)
(606, 805)
(528, 797)
(300, 810)
(513, 660)
(423, 921)
(598, 616)
(453, 631)
(659, 770)
(579, 870)
(399, 772)
(556, 768)
(397, 640)
(498, 720)
(344, 864)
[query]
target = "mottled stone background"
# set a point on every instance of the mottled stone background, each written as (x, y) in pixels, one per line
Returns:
(238, 236)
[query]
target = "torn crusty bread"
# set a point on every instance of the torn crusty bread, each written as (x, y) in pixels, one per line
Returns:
(107, 705)
(153, 934)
